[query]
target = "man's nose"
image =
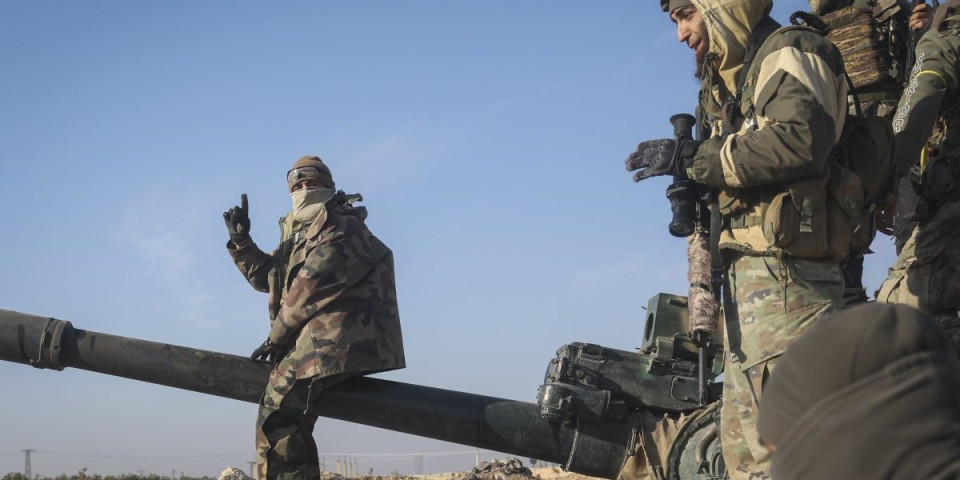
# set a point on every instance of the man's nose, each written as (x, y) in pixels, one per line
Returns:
(682, 34)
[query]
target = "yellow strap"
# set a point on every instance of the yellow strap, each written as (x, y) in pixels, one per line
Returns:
(923, 157)
(931, 72)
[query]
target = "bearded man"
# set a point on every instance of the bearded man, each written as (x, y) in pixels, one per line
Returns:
(778, 96)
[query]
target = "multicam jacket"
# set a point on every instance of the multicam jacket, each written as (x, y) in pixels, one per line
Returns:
(333, 298)
(790, 115)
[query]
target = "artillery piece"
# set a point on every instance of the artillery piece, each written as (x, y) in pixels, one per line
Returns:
(594, 413)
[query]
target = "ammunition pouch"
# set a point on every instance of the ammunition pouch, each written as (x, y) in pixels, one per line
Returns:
(795, 219)
(850, 222)
(817, 217)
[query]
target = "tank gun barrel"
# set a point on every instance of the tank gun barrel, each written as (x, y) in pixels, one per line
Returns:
(509, 426)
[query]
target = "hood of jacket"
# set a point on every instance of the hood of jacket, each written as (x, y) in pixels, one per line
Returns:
(729, 24)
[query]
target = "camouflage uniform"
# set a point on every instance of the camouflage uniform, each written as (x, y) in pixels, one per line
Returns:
(770, 167)
(878, 72)
(333, 302)
(772, 302)
(926, 274)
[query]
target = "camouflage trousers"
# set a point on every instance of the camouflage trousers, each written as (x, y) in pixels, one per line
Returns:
(926, 274)
(770, 302)
(285, 446)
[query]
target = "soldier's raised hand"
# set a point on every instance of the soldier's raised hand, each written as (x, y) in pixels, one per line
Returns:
(237, 221)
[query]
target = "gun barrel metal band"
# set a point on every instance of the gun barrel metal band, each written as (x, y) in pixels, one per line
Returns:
(48, 353)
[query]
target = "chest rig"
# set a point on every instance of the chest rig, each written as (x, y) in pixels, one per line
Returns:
(797, 218)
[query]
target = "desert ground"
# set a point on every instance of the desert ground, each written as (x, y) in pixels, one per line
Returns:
(505, 469)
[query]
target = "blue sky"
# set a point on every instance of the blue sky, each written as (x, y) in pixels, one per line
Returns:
(488, 141)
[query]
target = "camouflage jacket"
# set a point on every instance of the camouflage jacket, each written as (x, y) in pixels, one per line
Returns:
(333, 298)
(789, 117)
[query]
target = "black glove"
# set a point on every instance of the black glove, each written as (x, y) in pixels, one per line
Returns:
(238, 222)
(661, 157)
(268, 352)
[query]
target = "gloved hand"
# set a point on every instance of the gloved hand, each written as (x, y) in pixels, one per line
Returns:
(238, 222)
(661, 157)
(268, 352)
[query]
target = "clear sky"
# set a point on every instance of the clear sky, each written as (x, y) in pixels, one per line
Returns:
(488, 141)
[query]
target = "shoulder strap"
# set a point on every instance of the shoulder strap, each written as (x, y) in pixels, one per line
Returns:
(759, 35)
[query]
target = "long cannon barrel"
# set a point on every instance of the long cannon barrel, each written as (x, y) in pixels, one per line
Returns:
(509, 426)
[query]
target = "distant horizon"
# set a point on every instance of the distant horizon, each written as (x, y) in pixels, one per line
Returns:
(350, 461)
(539, 465)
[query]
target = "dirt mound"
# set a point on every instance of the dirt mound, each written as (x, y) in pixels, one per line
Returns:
(506, 469)
(557, 473)
(234, 473)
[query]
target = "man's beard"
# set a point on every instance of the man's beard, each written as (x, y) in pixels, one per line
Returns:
(700, 63)
(703, 63)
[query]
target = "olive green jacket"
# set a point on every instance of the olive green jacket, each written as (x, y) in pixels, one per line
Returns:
(791, 114)
(932, 93)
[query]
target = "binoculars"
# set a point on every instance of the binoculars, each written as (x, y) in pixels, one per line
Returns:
(683, 193)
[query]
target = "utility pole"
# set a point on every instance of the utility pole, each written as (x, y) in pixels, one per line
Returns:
(27, 471)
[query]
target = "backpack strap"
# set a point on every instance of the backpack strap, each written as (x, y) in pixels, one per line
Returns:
(764, 28)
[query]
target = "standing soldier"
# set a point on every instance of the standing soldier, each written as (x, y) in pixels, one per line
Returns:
(926, 274)
(781, 96)
(333, 312)
(876, 40)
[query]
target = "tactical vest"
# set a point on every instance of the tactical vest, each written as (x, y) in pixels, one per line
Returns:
(811, 217)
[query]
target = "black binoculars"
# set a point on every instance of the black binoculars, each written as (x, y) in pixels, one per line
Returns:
(683, 193)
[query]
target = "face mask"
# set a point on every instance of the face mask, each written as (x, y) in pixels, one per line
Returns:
(307, 202)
